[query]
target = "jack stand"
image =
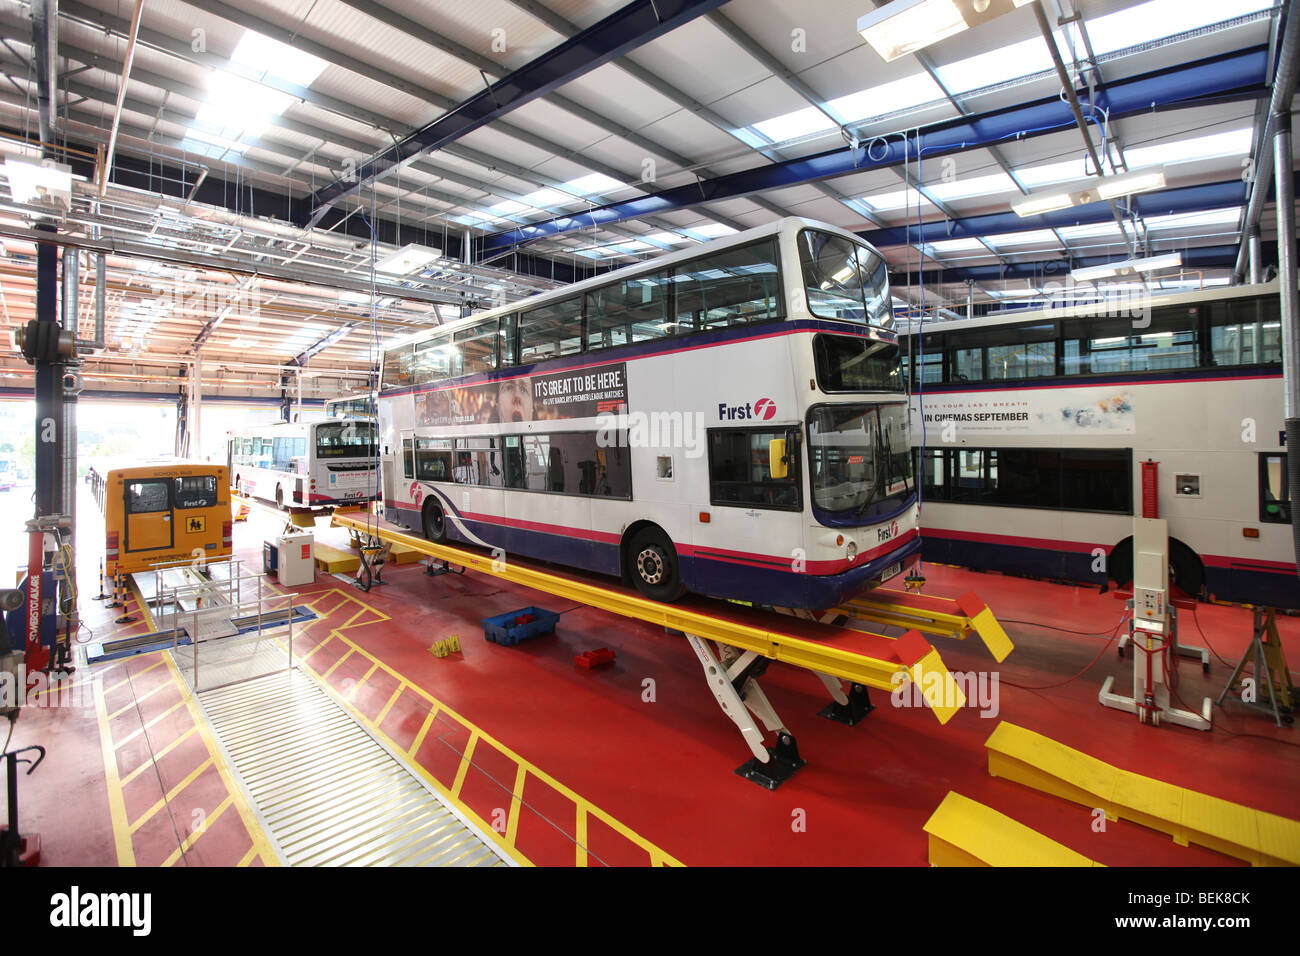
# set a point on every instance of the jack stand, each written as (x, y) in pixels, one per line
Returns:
(443, 567)
(370, 571)
(1268, 662)
(733, 679)
(16, 849)
(847, 709)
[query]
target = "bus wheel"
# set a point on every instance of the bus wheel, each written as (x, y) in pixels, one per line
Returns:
(434, 521)
(279, 497)
(652, 565)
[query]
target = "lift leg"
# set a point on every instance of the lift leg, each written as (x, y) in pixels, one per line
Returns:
(735, 687)
(845, 708)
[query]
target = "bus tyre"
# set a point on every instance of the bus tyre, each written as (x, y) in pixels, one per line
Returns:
(652, 565)
(279, 497)
(433, 521)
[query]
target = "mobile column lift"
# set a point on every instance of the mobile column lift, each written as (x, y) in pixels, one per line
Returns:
(736, 644)
(1153, 636)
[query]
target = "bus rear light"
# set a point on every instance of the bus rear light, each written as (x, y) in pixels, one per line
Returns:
(226, 529)
(1250, 532)
(704, 517)
(110, 544)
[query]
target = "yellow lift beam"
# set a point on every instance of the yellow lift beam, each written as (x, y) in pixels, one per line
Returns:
(1259, 838)
(966, 833)
(944, 617)
(743, 635)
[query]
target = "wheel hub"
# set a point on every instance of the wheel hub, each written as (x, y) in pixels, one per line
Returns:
(650, 563)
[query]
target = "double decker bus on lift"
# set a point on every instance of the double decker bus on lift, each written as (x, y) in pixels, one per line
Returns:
(729, 419)
(1054, 413)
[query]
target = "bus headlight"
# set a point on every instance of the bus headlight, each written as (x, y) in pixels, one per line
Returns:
(852, 550)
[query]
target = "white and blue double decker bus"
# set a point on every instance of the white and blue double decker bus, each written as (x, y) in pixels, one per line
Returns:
(728, 419)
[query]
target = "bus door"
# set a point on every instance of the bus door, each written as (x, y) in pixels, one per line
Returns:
(404, 461)
(148, 508)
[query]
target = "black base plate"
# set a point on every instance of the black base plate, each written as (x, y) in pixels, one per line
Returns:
(855, 710)
(783, 763)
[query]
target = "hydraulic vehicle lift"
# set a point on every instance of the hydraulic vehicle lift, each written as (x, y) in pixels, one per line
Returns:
(735, 644)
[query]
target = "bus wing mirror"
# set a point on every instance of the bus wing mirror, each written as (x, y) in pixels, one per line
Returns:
(776, 460)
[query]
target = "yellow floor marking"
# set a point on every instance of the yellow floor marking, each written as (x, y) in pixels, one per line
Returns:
(254, 828)
(391, 701)
(158, 756)
(334, 666)
(95, 679)
(656, 853)
(303, 658)
(139, 700)
(130, 677)
(249, 857)
(190, 840)
(171, 795)
(516, 804)
(116, 803)
(580, 838)
(466, 759)
(137, 732)
(424, 730)
(142, 603)
(365, 677)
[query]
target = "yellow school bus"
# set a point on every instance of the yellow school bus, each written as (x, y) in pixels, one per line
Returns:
(162, 512)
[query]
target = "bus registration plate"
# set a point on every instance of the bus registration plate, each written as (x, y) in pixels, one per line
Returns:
(892, 570)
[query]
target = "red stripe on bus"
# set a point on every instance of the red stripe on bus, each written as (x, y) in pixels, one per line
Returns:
(1211, 560)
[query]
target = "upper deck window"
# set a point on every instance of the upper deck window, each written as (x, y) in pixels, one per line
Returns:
(844, 279)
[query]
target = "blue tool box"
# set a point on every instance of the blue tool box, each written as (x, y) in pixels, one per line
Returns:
(507, 628)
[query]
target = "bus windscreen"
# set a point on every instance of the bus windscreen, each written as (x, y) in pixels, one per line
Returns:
(350, 440)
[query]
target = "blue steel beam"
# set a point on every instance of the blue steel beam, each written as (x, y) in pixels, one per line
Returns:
(1166, 202)
(1045, 270)
(1231, 76)
(622, 31)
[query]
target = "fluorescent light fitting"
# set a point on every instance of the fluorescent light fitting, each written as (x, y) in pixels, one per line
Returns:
(1114, 186)
(407, 259)
(905, 26)
(44, 184)
(1043, 202)
(1171, 260)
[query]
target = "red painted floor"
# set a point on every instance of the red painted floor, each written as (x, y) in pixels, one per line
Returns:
(644, 740)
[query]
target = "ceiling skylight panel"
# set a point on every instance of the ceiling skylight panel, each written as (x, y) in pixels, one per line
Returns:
(1213, 217)
(1029, 237)
(1161, 18)
(788, 126)
(593, 184)
(996, 66)
(260, 54)
(905, 93)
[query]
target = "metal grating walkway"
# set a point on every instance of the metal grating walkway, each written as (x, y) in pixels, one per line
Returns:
(328, 793)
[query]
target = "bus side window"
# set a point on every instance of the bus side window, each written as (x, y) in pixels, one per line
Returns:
(740, 474)
(408, 461)
(1274, 498)
(433, 460)
(514, 462)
